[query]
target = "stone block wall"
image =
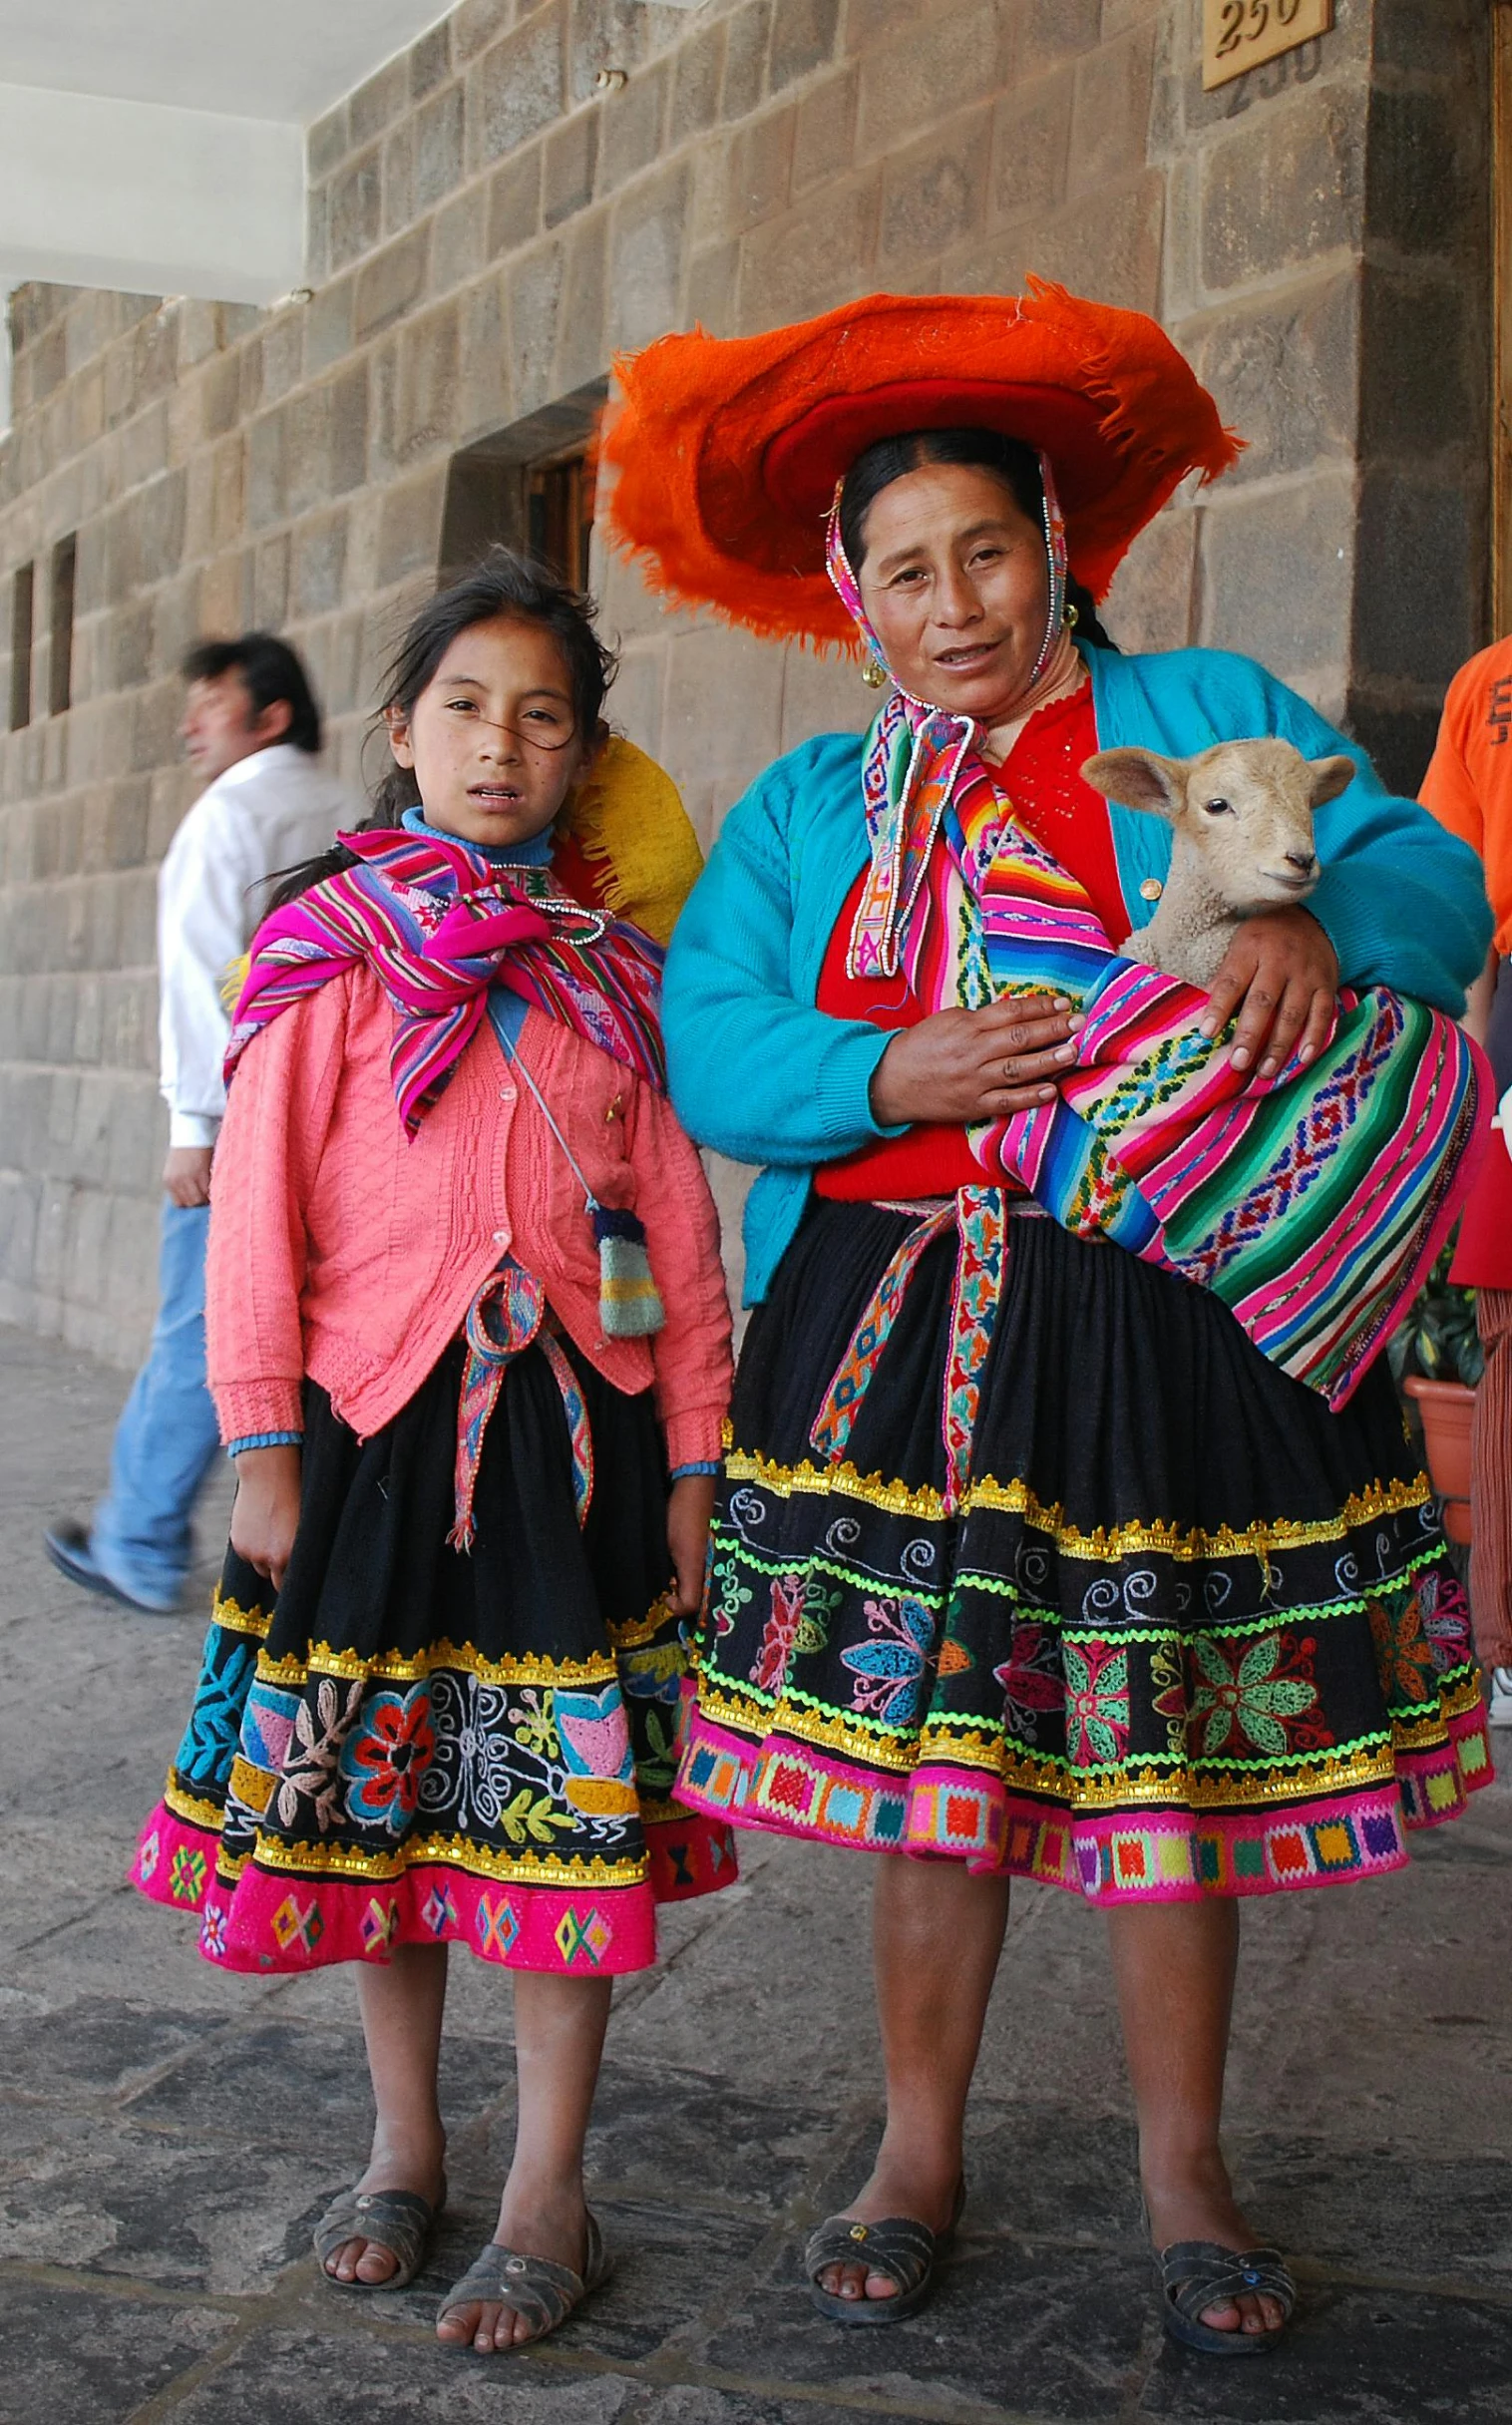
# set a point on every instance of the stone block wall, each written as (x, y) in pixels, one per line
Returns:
(488, 225)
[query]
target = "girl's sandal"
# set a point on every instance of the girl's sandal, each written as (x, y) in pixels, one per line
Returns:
(538, 2289)
(901, 2249)
(1199, 2273)
(397, 2219)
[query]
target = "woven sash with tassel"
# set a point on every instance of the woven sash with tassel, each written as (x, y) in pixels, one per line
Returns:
(507, 1316)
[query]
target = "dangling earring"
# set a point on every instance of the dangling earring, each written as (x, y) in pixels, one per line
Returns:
(1069, 619)
(874, 676)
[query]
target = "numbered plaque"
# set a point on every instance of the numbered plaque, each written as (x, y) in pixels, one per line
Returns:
(1242, 34)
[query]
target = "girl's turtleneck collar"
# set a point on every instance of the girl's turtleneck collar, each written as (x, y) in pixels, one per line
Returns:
(534, 851)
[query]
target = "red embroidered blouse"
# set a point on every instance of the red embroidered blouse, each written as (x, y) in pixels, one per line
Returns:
(1041, 776)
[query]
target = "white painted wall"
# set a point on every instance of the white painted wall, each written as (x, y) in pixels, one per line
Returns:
(158, 145)
(283, 59)
(156, 200)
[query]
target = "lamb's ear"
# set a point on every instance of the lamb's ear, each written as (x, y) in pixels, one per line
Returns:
(1139, 778)
(1331, 776)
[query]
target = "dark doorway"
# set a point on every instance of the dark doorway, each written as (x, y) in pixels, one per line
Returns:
(528, 485)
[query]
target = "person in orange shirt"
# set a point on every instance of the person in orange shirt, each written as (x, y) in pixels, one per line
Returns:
(1468, 789)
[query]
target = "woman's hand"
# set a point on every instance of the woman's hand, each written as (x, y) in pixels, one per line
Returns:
(1283, 969)
(265, 1516)
(964, 1065)
(690, 1508)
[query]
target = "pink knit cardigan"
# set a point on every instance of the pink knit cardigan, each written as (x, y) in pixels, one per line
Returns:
(340, 1250)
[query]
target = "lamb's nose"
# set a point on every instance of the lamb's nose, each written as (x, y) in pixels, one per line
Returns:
(1303, 861)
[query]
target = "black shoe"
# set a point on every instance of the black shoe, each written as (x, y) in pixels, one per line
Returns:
(68, 1545)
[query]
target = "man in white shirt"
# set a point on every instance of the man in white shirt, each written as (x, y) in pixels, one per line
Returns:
(253, 730)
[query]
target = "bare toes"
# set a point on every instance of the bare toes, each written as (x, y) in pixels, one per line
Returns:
(1225, 2317)
(881, 2285)
(843, 2281)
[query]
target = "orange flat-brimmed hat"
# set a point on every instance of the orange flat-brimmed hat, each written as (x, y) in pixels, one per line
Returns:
(726, 450)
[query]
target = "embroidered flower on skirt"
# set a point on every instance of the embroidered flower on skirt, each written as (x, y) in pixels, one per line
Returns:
(417, 1745)
(1164, 1626)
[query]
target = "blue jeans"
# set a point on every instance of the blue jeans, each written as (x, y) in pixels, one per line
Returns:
(168, 1437)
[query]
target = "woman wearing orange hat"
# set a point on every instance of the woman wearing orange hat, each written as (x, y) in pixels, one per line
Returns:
(1066, 1528)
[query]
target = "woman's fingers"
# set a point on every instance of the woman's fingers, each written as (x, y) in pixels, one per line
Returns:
(1256, 1020)
(946, 1067)
(1291, 1018)
(1281, 972)
(1229, 988)
(1014, 1098)
(1010, 1028)
(1320, 1021)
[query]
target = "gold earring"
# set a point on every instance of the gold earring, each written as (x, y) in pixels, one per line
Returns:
(874, 676)
(1069, 619)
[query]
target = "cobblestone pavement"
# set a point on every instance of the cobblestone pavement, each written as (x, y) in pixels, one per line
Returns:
(170, 2134)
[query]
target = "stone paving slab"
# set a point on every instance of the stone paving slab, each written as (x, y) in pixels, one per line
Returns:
(168, 2133)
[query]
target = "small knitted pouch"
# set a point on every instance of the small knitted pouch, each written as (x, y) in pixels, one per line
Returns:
(629, 1304)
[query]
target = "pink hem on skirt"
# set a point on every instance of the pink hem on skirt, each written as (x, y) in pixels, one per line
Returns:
(1144, 1856)
(274, 1921)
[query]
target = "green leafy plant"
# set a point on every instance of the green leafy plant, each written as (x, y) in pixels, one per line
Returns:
(1438, 1338)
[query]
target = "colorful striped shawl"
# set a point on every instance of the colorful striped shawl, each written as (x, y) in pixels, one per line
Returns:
(438, 923)
(1312, 1202)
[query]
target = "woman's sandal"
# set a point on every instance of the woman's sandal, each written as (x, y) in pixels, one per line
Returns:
(543, 2293)
(397, 2219)
(903, 2250)
(1199, 2273)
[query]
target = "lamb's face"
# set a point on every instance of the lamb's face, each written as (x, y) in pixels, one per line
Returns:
(1248, 809)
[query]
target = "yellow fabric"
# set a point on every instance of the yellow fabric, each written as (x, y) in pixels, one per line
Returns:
(628, 819)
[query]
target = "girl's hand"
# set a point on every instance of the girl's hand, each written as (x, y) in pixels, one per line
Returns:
(964, 1065)
(265, 1516)
(1284, 970)
(690, 1508)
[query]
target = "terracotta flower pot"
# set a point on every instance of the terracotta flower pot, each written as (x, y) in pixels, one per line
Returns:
(1446, 1407)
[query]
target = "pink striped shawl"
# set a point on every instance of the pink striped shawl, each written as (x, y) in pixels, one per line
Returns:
(439, 923)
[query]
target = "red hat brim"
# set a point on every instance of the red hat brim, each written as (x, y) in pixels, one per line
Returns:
(724, 453)
(803, 463)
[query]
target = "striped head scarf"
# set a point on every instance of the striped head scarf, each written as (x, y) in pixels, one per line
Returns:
(921, 761)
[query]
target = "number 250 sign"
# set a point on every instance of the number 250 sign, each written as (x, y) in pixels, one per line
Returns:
(1241, 34)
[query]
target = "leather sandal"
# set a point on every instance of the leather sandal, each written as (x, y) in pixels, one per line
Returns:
(543, 2293)
(900, 2248)
(397, 2219)
(1199, 2273)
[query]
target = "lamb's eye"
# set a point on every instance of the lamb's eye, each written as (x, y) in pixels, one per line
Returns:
(1216, 808)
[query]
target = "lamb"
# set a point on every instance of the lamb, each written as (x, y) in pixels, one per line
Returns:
(1243, 814)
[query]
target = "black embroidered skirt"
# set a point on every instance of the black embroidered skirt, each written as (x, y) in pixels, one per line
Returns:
(1181, 1630)
(410, 1744)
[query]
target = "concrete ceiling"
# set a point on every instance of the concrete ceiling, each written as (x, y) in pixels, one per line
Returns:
(279, 59)
(158, 145)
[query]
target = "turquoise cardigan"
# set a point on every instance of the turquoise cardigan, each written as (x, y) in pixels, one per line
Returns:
(760, 1074)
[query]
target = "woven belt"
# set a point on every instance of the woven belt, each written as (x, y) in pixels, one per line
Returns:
(508, 1315)
(980, 1216)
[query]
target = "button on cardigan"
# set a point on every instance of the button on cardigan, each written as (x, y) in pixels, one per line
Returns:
(342, 1250)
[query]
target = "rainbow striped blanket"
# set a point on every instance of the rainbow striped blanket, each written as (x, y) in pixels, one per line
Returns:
(1312, 1202)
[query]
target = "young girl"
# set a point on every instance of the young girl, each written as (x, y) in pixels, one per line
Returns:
(439, 1685)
